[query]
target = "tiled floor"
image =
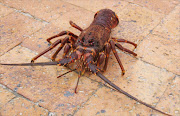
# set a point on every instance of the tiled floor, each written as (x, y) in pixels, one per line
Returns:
(153, 76)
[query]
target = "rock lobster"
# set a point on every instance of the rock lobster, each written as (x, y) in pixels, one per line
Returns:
(90, 49)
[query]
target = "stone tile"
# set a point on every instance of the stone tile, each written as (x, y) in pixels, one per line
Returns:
(5, 10)
(35, 8)
(170, 100)
(160, 52)
(135, 22)
(67, 101)
(115, 5)
(15, 28)
(142, 80)
(6, 96)
(78, 15)
(45, 10)
(169, 26)
(20, 106)
(39, 84)
(108, 102)
(161, 6)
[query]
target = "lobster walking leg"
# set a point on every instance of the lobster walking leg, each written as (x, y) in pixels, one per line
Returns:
(75, 26)
(100, 59)
(79, 75)
(67, 47)
(107, 52)
(64, 41)
(53, 45)
(61, 34)
(124, 49)
(125, 41)
(116, 55)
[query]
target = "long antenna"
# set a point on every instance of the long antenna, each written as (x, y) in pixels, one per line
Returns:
(32, 64)
(127, 94)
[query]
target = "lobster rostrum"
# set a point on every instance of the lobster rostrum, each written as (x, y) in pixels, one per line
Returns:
(90, 49)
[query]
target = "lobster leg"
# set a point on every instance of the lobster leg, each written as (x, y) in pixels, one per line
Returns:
(100, 58)
(125, 41)
(75, 26)
(53, 45)
(67, 47)
(124, 49)
(61, 34)
(64, 41)
(107, 52)
(116, 55)
(79, 75)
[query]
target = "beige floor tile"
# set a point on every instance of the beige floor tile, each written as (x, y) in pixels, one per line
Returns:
(161, 52)
(5, 10)
(6, 96)
(161, 6)
(15, 28)
(115, 5)
(20, 106)
(169, 27)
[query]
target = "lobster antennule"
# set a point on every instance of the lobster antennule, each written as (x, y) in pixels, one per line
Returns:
(31, 64)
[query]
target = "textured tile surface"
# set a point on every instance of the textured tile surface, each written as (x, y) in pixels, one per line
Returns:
(15, 27)
(6, 96)
(152, 76)
(170, 101)
(161, 6)
(20, 106)
(169, 27)
(164, 53)
(5, 10)
(46, 10)
(115, 5)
